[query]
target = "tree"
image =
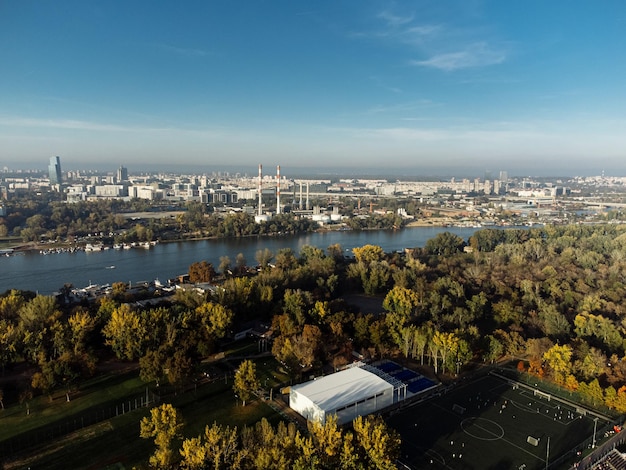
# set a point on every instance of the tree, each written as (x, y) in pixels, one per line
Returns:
(327, 439)
(246, 381)
(202, 271)
(125, 333)
(444, 244)
(9, 343)
(558, 358)
(151, 366)
(400, 302)
(45, 379)
(118, 290)
(591, 392)
(495, 349)
(447, 344)
(264, 257)
(241, 263)
(375, 277)
(164, 424)
(381, 445)
(224, 266)
(306, 346)
(553, 322)
(41, 329)
(368, 254)
(217, 448)
(81, 325)
(215, 319)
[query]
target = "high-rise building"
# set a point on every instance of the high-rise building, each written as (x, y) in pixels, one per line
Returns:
(54, 170)
(122, 174)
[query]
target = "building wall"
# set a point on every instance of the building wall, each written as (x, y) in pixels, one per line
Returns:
(365, 406)
(305, 407)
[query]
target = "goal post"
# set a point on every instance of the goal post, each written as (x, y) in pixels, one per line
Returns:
(458, 409)
(533, 441)
(540, 394)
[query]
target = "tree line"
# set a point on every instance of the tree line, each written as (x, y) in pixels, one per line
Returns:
(551, 298)
(518, 293)
(368, 444)
(46, 218)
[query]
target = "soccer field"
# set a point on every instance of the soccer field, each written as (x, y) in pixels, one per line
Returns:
(491, 424)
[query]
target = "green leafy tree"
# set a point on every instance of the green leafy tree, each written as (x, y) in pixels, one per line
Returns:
(368, 254)
(246, 381)
(217, 448)
(215, 319)
(444, 244)
(379, 443)
(125, 332)
(164, 425)
(558, 358)
(401, 304)
(264, 257)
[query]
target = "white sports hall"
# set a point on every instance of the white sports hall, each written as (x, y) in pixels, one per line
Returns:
(356, 391)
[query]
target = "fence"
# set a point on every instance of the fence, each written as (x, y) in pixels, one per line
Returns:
(75, 423)
(599, 453)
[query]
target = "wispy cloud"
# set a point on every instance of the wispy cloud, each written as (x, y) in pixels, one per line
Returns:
(443, 46)
(394, 20)
(60, 124)
(384, 86)
(403, 107)
(474, 55)
(78, 125)
(183, 51)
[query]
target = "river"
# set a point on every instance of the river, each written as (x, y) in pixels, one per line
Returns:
(45, 274)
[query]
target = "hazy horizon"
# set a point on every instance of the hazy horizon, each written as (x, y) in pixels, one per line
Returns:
(290, 172)
(425, 87)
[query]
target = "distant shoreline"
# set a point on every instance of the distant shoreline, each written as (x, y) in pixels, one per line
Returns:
(35, 246)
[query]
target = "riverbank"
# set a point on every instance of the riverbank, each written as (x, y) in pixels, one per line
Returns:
(432, 222)
(17, 246)
(46, 274)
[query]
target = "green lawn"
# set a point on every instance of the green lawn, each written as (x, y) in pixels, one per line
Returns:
(115, 440)
(96, 395)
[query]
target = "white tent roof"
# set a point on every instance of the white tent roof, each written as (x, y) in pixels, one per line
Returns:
(342, 388)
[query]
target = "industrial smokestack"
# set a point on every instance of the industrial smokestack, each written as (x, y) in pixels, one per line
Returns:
(278, 189)
(307, 195)
(260, 189)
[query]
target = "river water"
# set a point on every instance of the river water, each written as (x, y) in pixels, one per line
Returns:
(45, 274)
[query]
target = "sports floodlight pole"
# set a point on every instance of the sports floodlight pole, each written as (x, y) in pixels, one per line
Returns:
(595, 425)
(547, 452)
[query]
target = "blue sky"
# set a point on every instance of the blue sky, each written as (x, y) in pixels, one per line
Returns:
(421, 87)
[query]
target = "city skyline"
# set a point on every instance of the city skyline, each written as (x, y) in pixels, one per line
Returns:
(455, 88)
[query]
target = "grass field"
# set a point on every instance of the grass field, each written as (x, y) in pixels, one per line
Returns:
(115, 442)
(487, 424)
